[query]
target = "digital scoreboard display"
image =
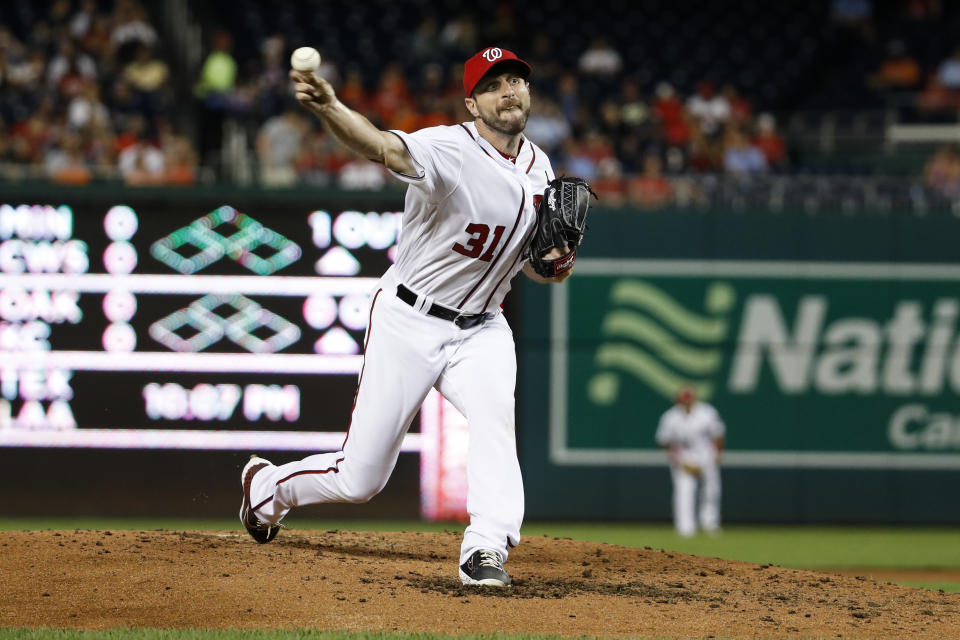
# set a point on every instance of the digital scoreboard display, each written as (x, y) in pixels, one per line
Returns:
(168, 327)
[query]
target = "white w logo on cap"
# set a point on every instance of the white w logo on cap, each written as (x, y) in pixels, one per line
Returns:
(493, 54)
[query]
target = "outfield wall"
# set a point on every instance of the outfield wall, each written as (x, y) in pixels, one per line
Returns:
(829, 344)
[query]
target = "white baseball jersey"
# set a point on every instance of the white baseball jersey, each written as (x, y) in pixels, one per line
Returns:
(469, 212)
(692, 434)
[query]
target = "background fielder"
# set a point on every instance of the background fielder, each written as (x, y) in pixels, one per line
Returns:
(693, 434)
(435, 317)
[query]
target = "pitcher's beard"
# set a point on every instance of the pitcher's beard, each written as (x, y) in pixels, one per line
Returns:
(507, 127)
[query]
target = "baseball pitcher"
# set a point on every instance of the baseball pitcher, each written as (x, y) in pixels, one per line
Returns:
(472, 220)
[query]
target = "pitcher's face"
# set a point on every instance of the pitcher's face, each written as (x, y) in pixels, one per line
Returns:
(502, 102)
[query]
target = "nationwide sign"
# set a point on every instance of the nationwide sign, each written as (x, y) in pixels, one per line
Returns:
(843, 365)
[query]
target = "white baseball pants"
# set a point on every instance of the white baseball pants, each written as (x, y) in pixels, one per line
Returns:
(407, 352)
(685, 499)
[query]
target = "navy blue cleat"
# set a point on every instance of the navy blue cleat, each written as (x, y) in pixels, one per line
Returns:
(259, 531)
(485, 568)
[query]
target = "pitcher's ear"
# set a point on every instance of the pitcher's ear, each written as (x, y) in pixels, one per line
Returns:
(471, 107)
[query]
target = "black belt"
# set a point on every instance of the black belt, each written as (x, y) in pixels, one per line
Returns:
(462, 320)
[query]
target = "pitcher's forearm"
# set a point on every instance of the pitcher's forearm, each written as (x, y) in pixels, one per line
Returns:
(354, 131)
(350, 128)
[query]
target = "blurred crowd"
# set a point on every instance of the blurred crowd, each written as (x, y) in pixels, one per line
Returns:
(592, 119)
(86, 93)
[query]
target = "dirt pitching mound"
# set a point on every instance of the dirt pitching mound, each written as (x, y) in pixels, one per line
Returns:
(345, 580)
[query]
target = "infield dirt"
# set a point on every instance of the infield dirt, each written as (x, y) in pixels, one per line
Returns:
(346, 580)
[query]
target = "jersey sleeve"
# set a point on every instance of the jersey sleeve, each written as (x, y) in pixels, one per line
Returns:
(716, 428)
(437, 159)
(663, 436)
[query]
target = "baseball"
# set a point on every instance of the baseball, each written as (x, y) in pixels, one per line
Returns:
(305, 59)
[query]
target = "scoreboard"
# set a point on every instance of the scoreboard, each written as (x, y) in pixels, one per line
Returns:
(132, 326)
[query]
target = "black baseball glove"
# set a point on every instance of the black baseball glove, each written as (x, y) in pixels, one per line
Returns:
(561, 223)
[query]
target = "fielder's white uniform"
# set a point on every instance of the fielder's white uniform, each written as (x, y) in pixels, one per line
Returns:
(469, 212)
(691, 439)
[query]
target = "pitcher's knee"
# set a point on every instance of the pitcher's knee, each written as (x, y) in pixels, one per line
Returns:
(363, 489)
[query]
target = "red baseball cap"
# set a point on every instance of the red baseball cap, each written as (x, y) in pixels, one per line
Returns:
(485, 60)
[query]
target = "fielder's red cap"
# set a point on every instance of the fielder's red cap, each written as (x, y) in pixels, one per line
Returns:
(485, 60)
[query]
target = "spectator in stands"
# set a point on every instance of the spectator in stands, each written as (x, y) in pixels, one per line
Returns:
(710, 110)
(649, 190)
(607, 119)
(599, 147)
(219, 72)
(69, 68)
(87, 111)
(942, 172)
(81, 22)
(631, 148)
(142, 163)
(218, 78)
(599, 66)
(309, 163)
(131, 28)
(576, 161)
(148, 77)
(938, 103)
(770, 142)
(568, 96)
(353, 93)
(96, 39)
(131, 129)
(273, 83)
(703, 154)
(600, 59)
(609, 183)
(12, 50)
(898, 71)
(948, 73)
(673, 119)
(31, 136)
(22, 78)
(741, 110)
(740, 156)
(546, 125)
(122, 100)
(180, 162)
(278, 146)
(431, 98)
(65, 163)
(102, 150)
(392, 93)
(634, 112)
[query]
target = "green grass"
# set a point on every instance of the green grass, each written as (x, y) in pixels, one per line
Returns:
(795, 546)
(949, 587)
